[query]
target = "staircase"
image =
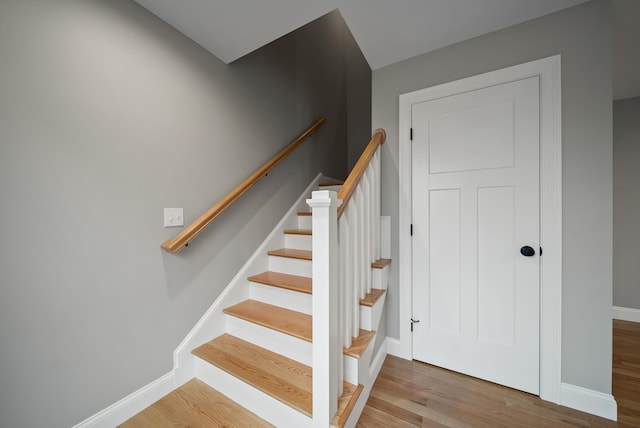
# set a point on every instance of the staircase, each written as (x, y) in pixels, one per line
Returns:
(259, 370)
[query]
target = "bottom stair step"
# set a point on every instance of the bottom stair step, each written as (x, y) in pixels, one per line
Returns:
(346, 403)
(195, 404)
(284, 379)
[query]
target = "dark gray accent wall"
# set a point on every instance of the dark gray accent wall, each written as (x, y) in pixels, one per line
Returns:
(583, 36)
(108, 115)
(626, 203)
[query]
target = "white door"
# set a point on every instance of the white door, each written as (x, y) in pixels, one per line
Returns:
(475, 193)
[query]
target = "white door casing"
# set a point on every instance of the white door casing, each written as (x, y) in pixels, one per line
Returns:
(475, 193)
(548, 71)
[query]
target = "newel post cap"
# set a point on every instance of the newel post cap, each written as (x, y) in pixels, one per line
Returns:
(324, 198)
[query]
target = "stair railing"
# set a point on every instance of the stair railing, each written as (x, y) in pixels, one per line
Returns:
(346, 241)
(182, 240)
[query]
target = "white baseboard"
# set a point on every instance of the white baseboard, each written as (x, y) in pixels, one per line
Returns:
(131, 405)
(626, 314)
(590, 401)
(396, 348)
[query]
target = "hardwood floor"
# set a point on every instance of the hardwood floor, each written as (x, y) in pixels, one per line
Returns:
(414, 394)
(626, 371)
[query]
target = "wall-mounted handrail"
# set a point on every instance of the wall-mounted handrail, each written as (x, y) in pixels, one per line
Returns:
(351, 183)
(181, 240)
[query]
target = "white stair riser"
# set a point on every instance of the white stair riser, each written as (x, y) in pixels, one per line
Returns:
(350, 369)
(290, 266)
(304, 222)
(299, 242)
(370, 315)
(263, 405)
(288, 299)
(380, 278)
(275, 341)
(356, 370)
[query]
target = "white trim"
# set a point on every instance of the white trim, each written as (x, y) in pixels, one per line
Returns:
(590, 401)
(626, 314)
(550, 209)
(394, 348)
(131, 405)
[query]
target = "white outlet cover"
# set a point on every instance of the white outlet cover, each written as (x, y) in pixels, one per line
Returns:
(173, 217)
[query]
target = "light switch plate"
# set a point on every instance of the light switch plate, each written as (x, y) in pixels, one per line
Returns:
(173, 217)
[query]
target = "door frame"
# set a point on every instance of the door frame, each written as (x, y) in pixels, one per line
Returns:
(548, 69)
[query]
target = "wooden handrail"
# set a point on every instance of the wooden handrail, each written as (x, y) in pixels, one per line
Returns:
(182, 240)
(351, 183)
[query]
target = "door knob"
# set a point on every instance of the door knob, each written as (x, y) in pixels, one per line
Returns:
(527, 251)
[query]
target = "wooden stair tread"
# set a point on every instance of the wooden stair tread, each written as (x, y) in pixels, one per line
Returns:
(297, 232)
(283, 320)
(346, 403)
(331, 183)
(284, 379)
(301, 284)
(291, 253)
(371, 298)
(194, 404)
(381, 263)
(304, 213)
(359, 344)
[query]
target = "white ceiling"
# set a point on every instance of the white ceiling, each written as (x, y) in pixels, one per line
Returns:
(386, 31)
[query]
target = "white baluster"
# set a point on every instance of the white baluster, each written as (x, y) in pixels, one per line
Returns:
(361, 243)
(354, 303)
(377, 214)
(369, 226)
(346, 264)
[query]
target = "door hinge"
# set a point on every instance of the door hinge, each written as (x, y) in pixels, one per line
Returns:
(411, 229)
(413, 322)
(540, 251)
(411, 134)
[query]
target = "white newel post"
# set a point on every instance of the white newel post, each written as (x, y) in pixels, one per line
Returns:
(327, 349)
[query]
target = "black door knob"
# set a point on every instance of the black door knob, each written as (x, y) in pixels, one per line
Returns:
(527, 251)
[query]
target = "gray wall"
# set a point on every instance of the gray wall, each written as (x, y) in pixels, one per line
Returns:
(108, 115)
(626, 203)
(583, 36)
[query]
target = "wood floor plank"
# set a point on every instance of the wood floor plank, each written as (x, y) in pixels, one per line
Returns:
(284, 379)
(406, 390)
(301, 284)
(283, 320)
(626, 371)
(291, 253)
(194, 405)
(372, 417)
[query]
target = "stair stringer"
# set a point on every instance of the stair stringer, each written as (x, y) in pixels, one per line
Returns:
(212, 323)
(374, 369)
(365, 369)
